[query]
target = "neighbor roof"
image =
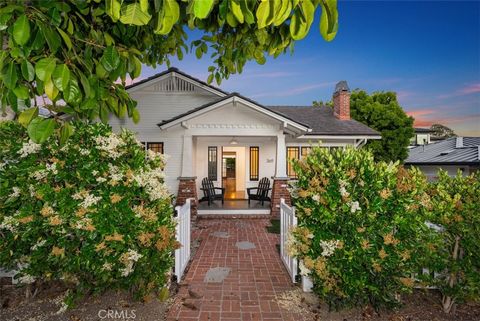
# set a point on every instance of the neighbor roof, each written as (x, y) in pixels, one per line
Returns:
(422, 130)
(451, 151)
(178, 71)
(322, 121)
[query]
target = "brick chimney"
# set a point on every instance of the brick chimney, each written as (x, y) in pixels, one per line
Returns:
(341, 101)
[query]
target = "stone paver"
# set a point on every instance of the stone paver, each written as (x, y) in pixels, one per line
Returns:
(252, 277)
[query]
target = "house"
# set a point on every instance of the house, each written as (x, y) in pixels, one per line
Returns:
(232, 139)
(422, 136)
(451, 154)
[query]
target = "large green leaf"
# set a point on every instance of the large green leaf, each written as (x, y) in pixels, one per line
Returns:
(21, 30)
(9, 75)
(113, 9)
(21, 92)
(329, 19)
(27, 115)
(40, 129)
(4, 18)
(61, 76)
(110, 59)
(66, 38)
(28, 72)
(168, 17)
(44, 68)
(135, 116)
(65, 132)
(237, 10)
(50, 89)
(72, 93)
(302, 20)
(132, 14)
(201, 8)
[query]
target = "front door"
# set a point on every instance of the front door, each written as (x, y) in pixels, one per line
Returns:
(233, 180)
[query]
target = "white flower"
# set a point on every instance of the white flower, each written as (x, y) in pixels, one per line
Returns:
(316, 198)
(329, 247)
(354, 207)
(128, 269)
(26, 279)
(84, 152)
(133, 255)
(107, 266)
(39, 244)
(9, 223)
(343, 189)
(52, 168)
(40, 174)
(94, 172)
(303, 269)
(152, 181)
(90, 200)
(110, 145)
(101, 179)
(29, 148)
(15, 192)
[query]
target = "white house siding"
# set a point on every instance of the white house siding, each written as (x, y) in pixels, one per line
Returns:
(431, 171)
(155, 107)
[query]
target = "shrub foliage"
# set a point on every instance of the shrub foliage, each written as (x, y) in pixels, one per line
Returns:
(455, 249)
(359, 234)
(94, 212)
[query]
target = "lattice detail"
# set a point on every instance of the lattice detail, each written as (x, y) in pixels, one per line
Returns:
(174, 84)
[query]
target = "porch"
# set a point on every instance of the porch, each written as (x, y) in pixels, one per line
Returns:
(233, 207)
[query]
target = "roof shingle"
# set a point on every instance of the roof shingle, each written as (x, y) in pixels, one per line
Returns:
(446, 152)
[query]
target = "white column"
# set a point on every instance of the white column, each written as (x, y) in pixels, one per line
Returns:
(281, 161)
(187, 157)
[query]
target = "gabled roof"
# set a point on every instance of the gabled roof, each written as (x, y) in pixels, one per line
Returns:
(177, 71)
(220, 102)
(322, 121)
(451, 151)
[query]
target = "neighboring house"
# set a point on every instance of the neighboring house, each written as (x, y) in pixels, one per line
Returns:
(451, 154)
(231, 139)
(422, 136)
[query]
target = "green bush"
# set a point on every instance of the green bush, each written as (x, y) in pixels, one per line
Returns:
(455, 249)
(359, 231)
(94, 212)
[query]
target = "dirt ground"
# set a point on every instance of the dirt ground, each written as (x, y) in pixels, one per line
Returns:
(47, 306)
(420, 306)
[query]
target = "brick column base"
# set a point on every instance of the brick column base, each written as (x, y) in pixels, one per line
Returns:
(279, 191)
(187, 188)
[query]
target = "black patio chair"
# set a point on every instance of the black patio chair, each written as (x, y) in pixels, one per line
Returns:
(210, 191)
(262, 191)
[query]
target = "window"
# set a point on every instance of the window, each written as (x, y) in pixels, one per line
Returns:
(254, 163)
(212, 163)
(156, 147)
(306, 150)
(292, 153)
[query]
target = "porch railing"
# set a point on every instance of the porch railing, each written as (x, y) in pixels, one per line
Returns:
(182, 255)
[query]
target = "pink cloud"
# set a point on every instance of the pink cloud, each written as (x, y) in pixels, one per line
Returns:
(471, 89)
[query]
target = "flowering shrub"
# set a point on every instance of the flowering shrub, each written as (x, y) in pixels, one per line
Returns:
(94, 212)
(455, 251)
(359, 227)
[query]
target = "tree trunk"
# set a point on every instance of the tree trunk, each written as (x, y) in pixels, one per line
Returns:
(448, 301)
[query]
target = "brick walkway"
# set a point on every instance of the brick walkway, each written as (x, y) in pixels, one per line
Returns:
(256, 275)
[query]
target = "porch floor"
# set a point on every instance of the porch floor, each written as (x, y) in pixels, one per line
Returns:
(236, 274)
(233, 207)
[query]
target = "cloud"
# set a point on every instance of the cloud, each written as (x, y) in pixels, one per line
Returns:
(466, 90)
(427, 117)
(274, 74)
(294, 91)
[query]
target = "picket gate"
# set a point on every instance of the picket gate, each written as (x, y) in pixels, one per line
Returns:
(288, 220)
(183, 230)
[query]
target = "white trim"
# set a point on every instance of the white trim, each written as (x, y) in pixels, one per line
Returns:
(174, 74)
(235, 99)
(339, 137)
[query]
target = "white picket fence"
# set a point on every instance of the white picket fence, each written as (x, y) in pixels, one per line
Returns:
(287, 221)
(182, 255)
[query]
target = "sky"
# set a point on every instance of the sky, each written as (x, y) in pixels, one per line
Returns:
(428, 52)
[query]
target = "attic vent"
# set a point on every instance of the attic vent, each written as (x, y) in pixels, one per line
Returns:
(174, 84)
(446, 152)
